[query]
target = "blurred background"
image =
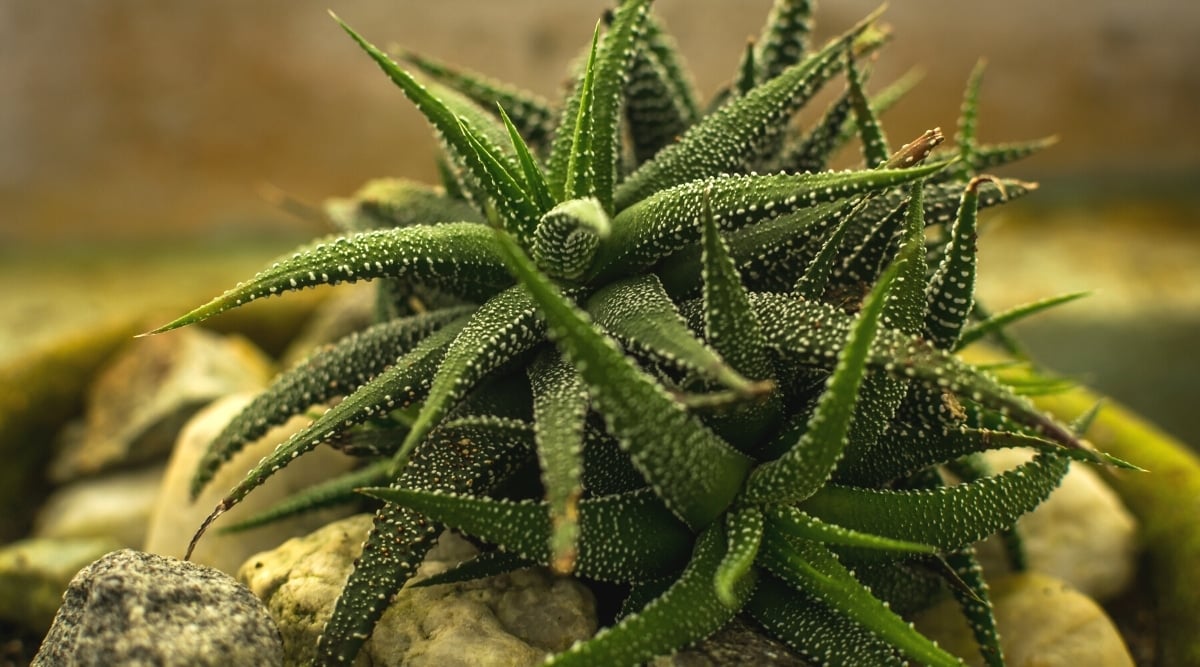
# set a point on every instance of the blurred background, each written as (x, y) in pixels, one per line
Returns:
(142, 143)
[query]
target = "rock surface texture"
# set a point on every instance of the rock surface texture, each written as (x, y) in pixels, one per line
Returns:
(134, 608)
(1043, 622)
(511, 620)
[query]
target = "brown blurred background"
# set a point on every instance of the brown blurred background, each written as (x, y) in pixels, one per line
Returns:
(135, 131)
(133, 118)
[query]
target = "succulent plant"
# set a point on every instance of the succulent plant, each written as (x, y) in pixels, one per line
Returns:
(660, 345)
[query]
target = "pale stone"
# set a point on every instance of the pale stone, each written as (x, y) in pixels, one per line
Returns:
(134, 608)
(35, 572)
(1043, 622)
(1081, 534)
(510, 620)
(138, 403)
(176, 516)
(118, 505)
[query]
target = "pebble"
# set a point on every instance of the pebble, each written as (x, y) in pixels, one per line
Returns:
(511, 620)
(134, 608)
(1043, 622)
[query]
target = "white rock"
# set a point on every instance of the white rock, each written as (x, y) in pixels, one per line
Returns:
(1082, 534)
(176, 517)
(118, 505)
(1043, 622)
(507, 621)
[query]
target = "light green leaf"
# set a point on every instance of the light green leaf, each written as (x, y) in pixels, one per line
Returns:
(669, 220)
(743, 534)
(796, 524)
(999, 321)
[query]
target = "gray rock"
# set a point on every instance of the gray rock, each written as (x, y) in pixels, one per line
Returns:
(134, 608)
(176, 516)
(117, 505)
(138, 403)
(35, 572)
(1043, 622)
(505, 621)
(1082, 534)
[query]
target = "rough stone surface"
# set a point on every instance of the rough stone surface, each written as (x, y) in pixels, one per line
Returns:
(176, 516)
(1082, 534)
(735, 645)
(507, 621)
(134, 608)
(1043, 623)
(118, 505)
(35, 572)
(139, 402)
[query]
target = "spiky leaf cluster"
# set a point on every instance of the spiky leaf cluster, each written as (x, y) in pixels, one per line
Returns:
(729, 369)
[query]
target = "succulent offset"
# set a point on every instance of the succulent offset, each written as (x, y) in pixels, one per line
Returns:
(660, 345)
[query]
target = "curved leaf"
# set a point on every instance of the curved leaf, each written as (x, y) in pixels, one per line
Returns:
(458, 257)
(668, 220)
(948, 517)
